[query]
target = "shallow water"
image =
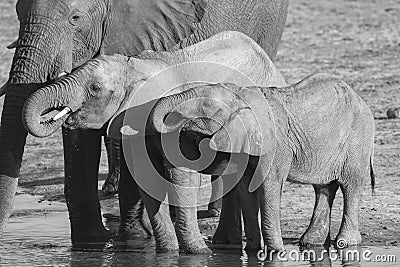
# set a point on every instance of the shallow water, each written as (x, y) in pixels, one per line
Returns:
(38, 235)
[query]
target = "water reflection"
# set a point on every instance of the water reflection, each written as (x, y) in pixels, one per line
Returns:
(142, 252)
(39, 235)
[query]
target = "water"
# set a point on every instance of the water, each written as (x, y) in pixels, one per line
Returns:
(38, 235)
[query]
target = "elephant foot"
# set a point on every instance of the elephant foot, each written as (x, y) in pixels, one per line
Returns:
(348, 238)
(136, 229)
(274, 243)
(100, 234)
(253, 241)
(227, 237)
(135, 222)
(166, 249)
(189, 237)
(198, 251)
(276, 247)
(167, 245)
(314, 237)
(229, 230)
(252, 246)
(196, 248)
(110, 186)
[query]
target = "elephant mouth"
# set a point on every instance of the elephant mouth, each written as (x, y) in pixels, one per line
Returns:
(73, 121)
(174, 119)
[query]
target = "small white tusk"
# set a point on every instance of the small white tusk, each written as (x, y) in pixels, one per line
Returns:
(64, 112)
(62, 74)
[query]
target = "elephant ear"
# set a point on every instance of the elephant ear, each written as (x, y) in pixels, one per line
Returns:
(250, 130)
(13, 45)
(137, 25)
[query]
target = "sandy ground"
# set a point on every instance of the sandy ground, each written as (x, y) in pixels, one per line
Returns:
(358, 40)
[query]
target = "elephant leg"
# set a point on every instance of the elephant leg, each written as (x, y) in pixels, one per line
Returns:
(273, 25)
(349, 233)
(250, 208)
(147, 164)
(110, 186)
(184, 195)
(229, 230)
(134, 219)
(81, 158)
(269, 194)
(8, 189)
(214, 207)
(318, 232)
(161, 224)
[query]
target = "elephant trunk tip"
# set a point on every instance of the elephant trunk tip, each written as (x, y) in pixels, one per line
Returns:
(173, 120)
(36, 123)
(165, 120)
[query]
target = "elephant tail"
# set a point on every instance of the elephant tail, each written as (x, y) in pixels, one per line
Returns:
(372, 175)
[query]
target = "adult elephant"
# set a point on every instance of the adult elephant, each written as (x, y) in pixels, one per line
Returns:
(57, 36)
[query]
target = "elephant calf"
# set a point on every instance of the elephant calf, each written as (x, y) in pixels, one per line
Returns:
(318, 131)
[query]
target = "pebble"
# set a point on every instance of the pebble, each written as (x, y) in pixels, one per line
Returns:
(393, 113)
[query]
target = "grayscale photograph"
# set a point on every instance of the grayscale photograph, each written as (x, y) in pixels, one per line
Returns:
(200, 133)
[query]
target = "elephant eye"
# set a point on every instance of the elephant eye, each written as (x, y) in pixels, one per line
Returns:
(75, 19)
(96, 87)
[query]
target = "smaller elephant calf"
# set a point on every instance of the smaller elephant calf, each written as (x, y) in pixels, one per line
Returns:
(318, 131)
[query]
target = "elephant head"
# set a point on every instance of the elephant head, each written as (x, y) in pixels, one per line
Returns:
(91, 95)
(89, 85)
(238, 119)
(57, 36)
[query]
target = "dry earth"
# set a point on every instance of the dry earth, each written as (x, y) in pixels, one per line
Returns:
(358, 40)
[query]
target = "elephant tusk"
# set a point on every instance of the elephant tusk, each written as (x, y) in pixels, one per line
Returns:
(62, 74)
(64, 112)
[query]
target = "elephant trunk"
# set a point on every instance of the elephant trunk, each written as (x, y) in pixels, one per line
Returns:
(61, 96)
(12, 142)
(35, 62)
(36, 58)
(166, 116)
